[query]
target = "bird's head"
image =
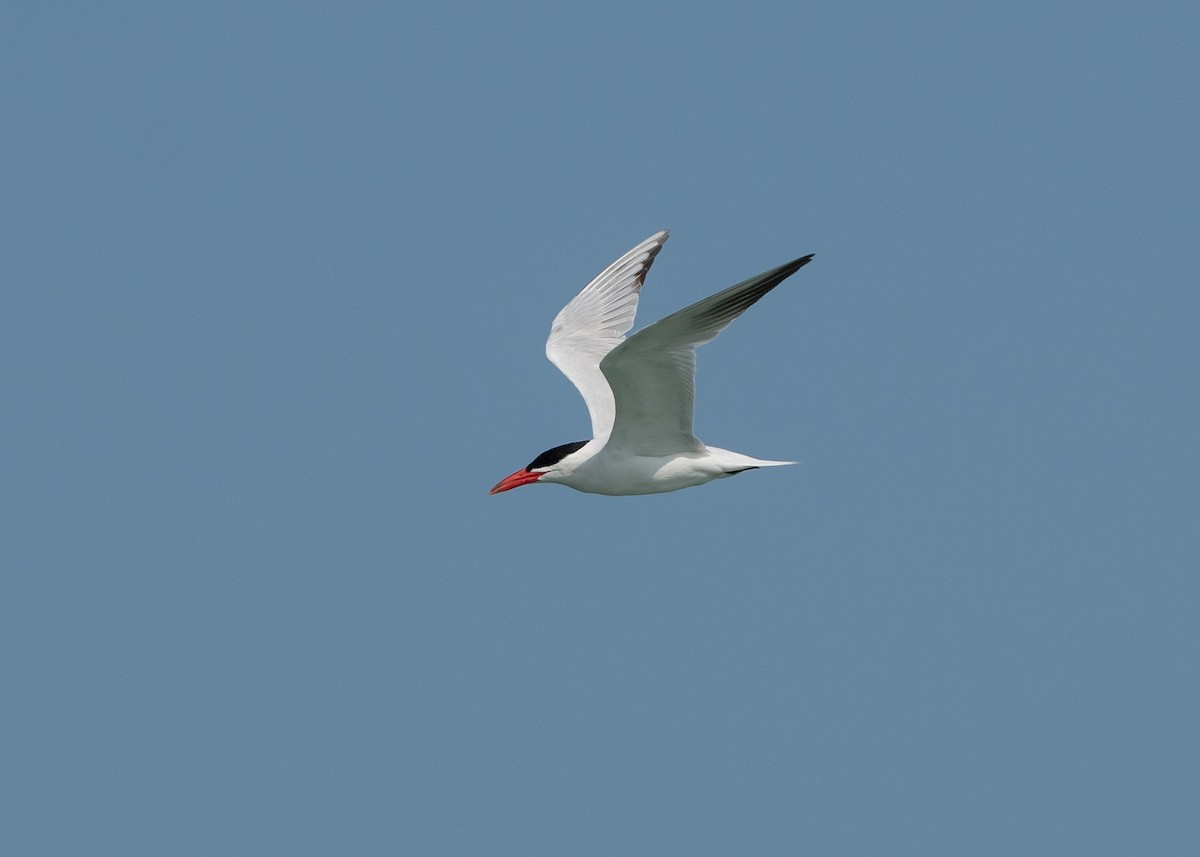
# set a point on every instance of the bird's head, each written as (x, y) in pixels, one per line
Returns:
(546, 463)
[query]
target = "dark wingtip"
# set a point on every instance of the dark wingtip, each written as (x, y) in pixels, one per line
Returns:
(778, 275)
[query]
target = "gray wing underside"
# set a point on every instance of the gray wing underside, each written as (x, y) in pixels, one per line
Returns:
(652, 375)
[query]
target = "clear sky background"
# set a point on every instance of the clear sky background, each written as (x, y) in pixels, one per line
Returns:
(276, 280)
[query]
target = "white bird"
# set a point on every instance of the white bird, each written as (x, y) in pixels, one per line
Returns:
(640, 391)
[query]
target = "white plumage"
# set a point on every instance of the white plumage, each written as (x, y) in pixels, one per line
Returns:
(640, 391)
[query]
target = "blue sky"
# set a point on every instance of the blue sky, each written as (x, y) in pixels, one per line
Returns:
(276, 285)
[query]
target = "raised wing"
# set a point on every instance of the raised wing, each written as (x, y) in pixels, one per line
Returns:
(595, 322)
(653, 373)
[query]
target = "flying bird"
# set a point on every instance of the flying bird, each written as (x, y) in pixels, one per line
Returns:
(640, 391)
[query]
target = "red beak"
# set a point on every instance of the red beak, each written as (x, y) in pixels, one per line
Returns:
(515, 480)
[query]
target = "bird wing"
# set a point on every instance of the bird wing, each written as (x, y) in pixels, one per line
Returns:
(594, 323)
(653, 373)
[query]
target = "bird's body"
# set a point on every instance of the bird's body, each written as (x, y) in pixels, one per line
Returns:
(605, 471)
(640, 391)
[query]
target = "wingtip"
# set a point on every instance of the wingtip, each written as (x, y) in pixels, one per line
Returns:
(652, 245)
(787, 269)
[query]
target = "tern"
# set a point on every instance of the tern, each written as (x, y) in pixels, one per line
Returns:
(640, 391)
